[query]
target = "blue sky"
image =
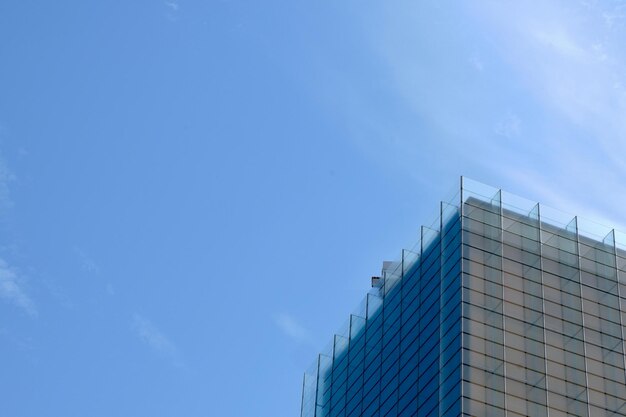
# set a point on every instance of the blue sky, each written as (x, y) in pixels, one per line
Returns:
(194, 194)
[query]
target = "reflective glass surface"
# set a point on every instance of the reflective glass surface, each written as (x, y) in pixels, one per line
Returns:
(504, 308)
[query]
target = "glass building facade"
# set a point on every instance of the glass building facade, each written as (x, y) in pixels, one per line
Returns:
(504, 308)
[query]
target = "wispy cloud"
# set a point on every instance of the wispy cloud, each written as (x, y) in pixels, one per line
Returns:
(12, 291)
(172, 5)
(509, 127)
(172, 11)
(86, 262)
(569, 58)
(291, 328)
(155, 339)
(560, 67)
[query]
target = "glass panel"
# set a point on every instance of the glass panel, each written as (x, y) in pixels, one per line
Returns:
(525, 304)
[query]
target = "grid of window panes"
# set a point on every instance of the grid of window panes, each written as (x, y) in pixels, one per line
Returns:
(502, 311)
(542, 329)
(401, 355)
(503, 331)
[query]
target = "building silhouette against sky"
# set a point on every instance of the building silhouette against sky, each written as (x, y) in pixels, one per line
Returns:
(504, 308)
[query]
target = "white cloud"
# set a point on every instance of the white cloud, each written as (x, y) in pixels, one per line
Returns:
(172, 5)
(569, 57)
(172, 11)
(560, 66)
(12, 291)
(149, 334)
(560, 42)
(292, 328)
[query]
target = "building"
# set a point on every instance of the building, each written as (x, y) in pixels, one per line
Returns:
(505, 308)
